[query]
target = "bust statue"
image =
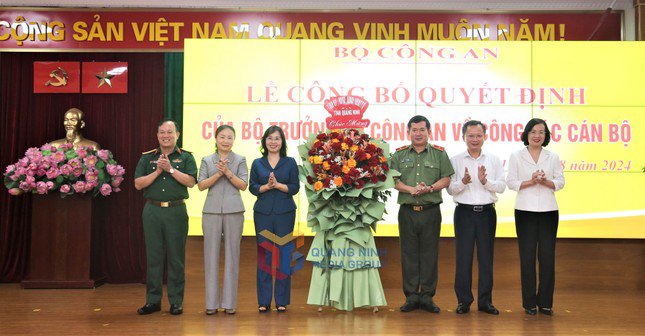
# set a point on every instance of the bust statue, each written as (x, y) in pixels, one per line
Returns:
(73, 123)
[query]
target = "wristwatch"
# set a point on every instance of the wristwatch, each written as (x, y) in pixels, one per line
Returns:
(171, 171)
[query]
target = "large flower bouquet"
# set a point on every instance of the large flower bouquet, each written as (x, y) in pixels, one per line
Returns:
(346, 177)
(65, 169)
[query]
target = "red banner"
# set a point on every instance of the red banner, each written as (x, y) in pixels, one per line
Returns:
(105, 77)
(22, 29)
(57, 77)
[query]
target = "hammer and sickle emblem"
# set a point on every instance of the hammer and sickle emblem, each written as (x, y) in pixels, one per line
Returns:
(60, 75)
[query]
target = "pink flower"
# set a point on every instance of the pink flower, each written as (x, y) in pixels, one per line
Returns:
(33, 153)
(20, 171)
(58, 157)
(25, 186)
(24, 162)
(117, 181)
(112, 169)
(104, 154)
(90, 185)
(90, 161)
(66, 146)
(105, 189)
(9, 169)
(46, 163)
(78, 171)
(116, 189)
(50, 185)
(75, 162)
(66, 169)
(53, 173)
(81, 152)
(65, 188)
(41, 187)
(91, 175)
(79, 186)
(47, 147)
(15, 191)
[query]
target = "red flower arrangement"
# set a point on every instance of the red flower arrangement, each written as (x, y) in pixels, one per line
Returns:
(346, 159)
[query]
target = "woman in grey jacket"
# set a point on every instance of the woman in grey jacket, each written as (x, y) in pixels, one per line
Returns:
(224, 174)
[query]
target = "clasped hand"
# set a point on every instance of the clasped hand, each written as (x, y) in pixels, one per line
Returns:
(222, 166)
(272, 183)
(420, 189)
(163, 163)
(538, 177)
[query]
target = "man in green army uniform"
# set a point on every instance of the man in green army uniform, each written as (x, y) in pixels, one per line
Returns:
(165, 174)
(425, 170)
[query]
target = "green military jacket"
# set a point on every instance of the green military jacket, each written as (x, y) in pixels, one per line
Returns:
(165, 188)
(429, 166)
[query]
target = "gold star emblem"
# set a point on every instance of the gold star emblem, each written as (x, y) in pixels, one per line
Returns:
(104, 78)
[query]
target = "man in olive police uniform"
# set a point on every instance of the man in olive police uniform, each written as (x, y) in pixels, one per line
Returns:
(425, 170)
(165, 174)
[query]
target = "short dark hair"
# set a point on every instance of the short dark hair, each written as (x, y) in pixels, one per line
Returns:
(269, 131)
(472, 123)
(168, 120)
(221, 128)
(529, 127)
(417, 119)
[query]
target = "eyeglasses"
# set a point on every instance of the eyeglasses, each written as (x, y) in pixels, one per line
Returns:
(537, 133)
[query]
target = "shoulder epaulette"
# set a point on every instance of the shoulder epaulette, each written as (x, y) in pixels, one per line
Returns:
(402, 148)
(150, 151)
(438, 147)
(183, 150)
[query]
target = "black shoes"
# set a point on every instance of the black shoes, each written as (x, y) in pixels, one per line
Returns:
(430, 307)
(409, 306)
(531, 311)
(462, 308)
(149, 308)
(489, 309)
(546, 311)
(176, 309)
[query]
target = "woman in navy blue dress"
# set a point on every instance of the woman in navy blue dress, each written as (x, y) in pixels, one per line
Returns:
(274, 180)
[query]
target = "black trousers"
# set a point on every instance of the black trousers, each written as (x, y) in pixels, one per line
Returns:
(419, 240)
(536, 233)
(474, 228)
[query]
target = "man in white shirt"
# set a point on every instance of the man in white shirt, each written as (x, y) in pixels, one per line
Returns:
(478, 177)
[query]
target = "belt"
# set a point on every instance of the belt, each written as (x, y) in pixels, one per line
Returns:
(420, 207)
(166, 204)
(477, 208)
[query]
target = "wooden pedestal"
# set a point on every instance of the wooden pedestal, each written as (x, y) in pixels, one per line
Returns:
(61, 242)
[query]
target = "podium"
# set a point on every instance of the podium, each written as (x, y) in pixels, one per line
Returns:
(61, 250)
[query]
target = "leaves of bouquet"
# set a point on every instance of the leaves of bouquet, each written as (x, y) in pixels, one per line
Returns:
(327, 194)
(367, 192)
(376, 210)
(303, 151)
